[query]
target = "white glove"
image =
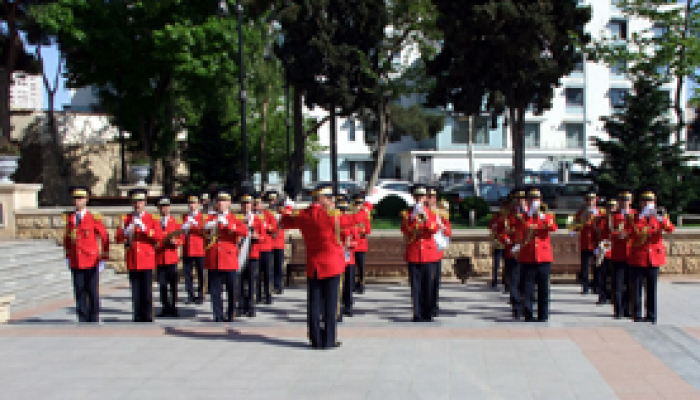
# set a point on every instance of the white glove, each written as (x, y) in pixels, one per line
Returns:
(140, 224)
(660, 218)
(101, 266)
(417, 209)
(288, 203)
(210, 225)
(191, 221)
(542, 217)
(596, 252)
(222, 220)
(129, 230)
(186, 226)
(68, 263)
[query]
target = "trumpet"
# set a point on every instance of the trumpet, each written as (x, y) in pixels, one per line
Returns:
(661, 212)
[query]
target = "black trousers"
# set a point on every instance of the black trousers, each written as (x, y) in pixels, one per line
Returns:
(167, 283)
(647, 279)
(536, 273)
(605, 272)
(498, 255)
(516, 284)
(348, 287)
(249, 281)
(437, 279)
(621, 288)
(217, 280)
(360, 270)
(189, 266)
(87, 297)
(141, 282)
(264, 289)
(322, 310)
(586, 258)
(421, 278)
(278, 270)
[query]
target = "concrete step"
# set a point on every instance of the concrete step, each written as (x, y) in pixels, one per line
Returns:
(36, 261)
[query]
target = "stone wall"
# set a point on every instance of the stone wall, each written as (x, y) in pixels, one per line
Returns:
(385, 246)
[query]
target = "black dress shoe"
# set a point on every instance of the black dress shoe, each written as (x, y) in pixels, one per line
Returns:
(361, 290)
(339, 318)
(617, 315)
(333, 346)
(190, 300)
(515, 314)
(416, 319)
(650, 319)
(584, 291)
(349, 313)
(639, 319)
(601, 302)
(163, 314)
(199, 300)
(251, 314)
(268, 301)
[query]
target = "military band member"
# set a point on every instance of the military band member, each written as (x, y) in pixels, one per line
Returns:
(605, 226)
(349, 237)
(647, 253)
(584, 224)
(84, 235)
(167, 259)
(496, 226)
(269, 223)
(207, 206)
(362, 243)
(278, 241)
(622, 281)
(193, 250)
(255, 224)
(320, 226)
(224, 231)
(141, 233)
(418, 226)
(508, 236)
(535, 255)
(442, 214)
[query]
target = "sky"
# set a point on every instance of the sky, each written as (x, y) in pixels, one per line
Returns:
(63, 96)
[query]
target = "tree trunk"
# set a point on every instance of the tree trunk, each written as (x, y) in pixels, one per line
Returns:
(296, 175)
(678, 101)
(382, 142)
(517, 126)
(263, 134)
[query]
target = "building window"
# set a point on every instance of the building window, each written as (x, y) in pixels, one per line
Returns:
(574, 135)
(617, 98)
(532, 135)
(618, 68)
(460, 131)
(351, 130)
(574, 99)
(618, 29)
(578, 68)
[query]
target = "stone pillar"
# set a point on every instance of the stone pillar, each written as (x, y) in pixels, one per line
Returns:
(14, 197)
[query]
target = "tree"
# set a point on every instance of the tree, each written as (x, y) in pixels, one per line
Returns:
(140, 57)
(669, 48)
(331, 51)
(16, 20)
(639, 152)
(505, 54)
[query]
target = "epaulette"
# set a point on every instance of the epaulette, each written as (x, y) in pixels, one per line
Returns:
(445, 214)
(295, 212)
(239, 217)
(123, 217)
(178, 220)
(156, 217)
(603, 212)
(404, 214)
(97, 216)
(65, 215)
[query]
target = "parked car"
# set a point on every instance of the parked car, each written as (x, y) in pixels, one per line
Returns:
(452, 178)
(349, 187)
(491, 192)
(387, 187)
(570, 196)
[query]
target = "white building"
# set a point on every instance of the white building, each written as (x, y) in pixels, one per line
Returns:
(26, 92)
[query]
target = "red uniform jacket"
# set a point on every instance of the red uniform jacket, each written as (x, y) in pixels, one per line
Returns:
(647, 245)
(614, 228)
(193, 243)
(222, 253)
(167, 253)
(505, 231)
(420, 245)
(321, 229)
(350, 238)
(364, 229)
(535, 248)
(82, 242)
(258, 227)
(141, 252)
(269, 228)
(588, 236)
(277, 234)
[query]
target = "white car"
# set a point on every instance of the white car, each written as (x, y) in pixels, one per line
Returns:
(386, 187)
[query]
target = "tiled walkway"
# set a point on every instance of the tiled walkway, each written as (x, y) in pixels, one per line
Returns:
(473, 351)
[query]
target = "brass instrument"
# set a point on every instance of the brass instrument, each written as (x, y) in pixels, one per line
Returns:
(661, 212)
(603, 248)
(543, 209)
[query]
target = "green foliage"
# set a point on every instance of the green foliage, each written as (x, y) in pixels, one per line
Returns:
(390, 207)
(639, 152)
(8, 148)
(478, 204)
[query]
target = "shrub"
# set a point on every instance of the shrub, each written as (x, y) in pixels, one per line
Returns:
(390, 207)
(8, 148)
(478, 204)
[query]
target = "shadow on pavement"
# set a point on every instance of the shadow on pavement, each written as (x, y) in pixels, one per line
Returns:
(235, 336)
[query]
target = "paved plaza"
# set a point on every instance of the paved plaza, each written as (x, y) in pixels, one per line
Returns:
(472, 351)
